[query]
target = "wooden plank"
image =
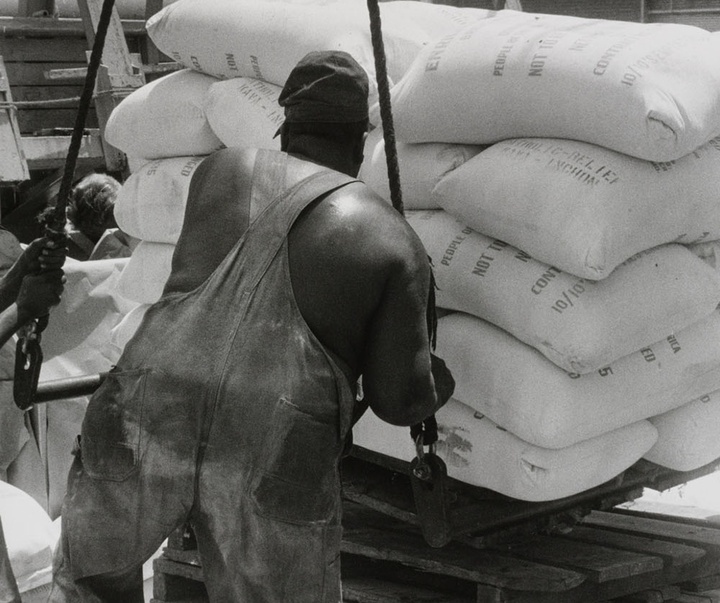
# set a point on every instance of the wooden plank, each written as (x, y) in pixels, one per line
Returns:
(459, 561)
(43, 50)
(33, 74)
(29, 8)
(23, 94)
(673, 553)
(32, 121)
(692, 535)
(37, 26)
(598, 563)
(372, 590)
(711, 22)
(709, 597)
(654, 595)
(13, 167)
(46, 152)
(702, 584)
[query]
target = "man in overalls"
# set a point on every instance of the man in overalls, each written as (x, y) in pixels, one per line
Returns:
(231, 406)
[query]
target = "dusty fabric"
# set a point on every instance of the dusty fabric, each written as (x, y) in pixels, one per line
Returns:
(225, 410)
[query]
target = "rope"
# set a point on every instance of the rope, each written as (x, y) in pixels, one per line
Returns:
(428, 430)
(385, 105)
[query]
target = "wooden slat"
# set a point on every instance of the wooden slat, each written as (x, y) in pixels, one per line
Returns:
(33, 74)
(654, 595)
(598, 563)
(34, 26)
(459, 561)
(43, 50)
(685, 533)
(13, 167)
(45, 93)
(372, 590)
(45, 152)
(673, 553)
(38, 120)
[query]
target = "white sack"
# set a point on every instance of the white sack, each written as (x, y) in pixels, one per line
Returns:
(478, 452)
(582, 208)
(164, 118)
(578, 324)
(146, 273)
(522, 391)
(151, 202)
(127, 327)
(244, 112)
(421, 167)
(649, 90)
(708, 251)
(265, 40)
(688, 436)
(436, 20)
(29, 535)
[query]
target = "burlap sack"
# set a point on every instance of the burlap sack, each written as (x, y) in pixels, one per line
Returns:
(649, 90)
(522, 391)
(580, 207)
(478, 452)
(578, 324)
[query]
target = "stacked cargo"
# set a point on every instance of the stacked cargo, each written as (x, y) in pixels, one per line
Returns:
(563, 245)
(579, 323)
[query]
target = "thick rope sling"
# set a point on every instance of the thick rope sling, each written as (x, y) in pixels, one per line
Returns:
(28, 355)
(427, 430)
(427, 471)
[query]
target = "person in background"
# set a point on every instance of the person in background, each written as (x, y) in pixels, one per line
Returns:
(92, 231)
(232, 405)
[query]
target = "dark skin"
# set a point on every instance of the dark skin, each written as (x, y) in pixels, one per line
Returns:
(359, 273)
(32, 286)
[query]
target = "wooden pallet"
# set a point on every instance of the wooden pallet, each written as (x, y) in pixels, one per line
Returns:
(618, 556)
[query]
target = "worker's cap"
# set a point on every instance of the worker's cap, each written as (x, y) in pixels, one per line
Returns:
(326, 86)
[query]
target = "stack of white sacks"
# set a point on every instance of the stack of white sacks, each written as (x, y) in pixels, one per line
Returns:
(583, 331)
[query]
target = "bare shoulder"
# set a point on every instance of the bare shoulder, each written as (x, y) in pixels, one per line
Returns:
(227, 163)
(363, 225)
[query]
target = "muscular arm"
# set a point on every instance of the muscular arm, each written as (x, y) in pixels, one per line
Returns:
(398, 381)
(361, 279)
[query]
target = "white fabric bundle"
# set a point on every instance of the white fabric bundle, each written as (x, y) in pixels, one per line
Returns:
(421, 167)
(688, 436)
(146, 273)
(265, 40)
(151, 202)
(582, 208)
(522, 391)
(478, 452)
(244, 112)
(580, 325)
(30, 537)
(165, 118)
(649, 90)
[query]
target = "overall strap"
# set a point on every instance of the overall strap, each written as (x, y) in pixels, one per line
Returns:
(276, 207)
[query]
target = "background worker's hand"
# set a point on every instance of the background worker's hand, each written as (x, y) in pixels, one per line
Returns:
(42, 254)
(38, 293)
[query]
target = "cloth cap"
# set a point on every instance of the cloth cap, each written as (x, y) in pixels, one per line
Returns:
(326, 86)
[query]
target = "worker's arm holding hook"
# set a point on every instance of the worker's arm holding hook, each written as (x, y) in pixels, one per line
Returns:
(32, 286)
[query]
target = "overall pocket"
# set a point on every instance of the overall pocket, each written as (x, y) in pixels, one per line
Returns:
(111, 431)
(297, 481)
